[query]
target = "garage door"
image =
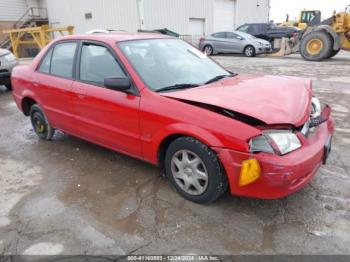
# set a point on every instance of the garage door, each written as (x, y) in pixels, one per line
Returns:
(224, 15)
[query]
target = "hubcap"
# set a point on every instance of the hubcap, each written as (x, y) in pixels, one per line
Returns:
(189, 172)
(314, 46)
(38, 123)
(249, 51)
(208, 50)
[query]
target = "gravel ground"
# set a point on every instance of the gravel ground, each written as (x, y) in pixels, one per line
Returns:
(68, 196)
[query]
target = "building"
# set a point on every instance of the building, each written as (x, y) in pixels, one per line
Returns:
(189, 18)
(186, 17)
(20, 13)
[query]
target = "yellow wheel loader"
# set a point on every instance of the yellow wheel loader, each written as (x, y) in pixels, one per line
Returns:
(320, 41)
(327, 39)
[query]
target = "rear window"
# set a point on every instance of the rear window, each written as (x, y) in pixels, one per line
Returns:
(62, 59)
(45, 64)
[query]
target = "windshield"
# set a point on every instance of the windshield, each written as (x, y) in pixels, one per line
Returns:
(168, 62)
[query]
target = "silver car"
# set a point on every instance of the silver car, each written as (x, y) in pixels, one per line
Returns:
(7, 62)
(234, 42)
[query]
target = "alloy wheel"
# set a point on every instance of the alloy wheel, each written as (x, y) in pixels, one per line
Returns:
(189, 172)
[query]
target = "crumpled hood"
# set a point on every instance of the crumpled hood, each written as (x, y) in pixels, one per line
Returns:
(270, 99)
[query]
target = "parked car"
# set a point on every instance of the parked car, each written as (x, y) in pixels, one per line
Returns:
(233, 42)
(159, 99)
(7, 62)
(267, 31)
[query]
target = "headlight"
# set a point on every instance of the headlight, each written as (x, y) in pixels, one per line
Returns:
(261, 44)
(9, 57)
(315, 107)
(275, 141)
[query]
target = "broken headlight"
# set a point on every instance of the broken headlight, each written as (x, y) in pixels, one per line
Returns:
(280, 142)
(315, 107)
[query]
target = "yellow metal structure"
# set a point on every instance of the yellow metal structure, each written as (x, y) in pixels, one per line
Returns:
(40, 36)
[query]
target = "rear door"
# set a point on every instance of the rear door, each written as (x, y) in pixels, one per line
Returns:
(104, 116)
(53, 83)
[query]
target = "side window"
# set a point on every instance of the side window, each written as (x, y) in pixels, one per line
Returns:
(62, 59)
(229, 35)
(232, 35)
(45, 63)
(219, 35)
(97, 63)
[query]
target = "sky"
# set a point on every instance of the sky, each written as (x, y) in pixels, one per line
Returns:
(279, 8)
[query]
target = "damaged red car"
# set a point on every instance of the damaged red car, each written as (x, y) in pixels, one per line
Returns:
(161, 100)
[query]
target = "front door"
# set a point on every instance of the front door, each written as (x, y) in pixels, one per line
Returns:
(104, 116)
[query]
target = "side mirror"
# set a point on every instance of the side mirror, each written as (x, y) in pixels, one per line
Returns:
(117, 83)
(240, 38)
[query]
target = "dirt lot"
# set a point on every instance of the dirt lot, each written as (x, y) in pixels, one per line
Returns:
(72, 197)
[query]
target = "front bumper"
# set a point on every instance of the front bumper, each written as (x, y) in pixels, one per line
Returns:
(281, 175)
(263, 50)
(6, 69)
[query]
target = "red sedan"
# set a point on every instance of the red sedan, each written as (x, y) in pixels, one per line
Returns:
(159, 99)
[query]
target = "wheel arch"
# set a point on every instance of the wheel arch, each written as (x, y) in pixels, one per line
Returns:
(197, 133)
(26, 104)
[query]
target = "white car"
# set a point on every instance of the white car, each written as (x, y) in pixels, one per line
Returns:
(7, 62)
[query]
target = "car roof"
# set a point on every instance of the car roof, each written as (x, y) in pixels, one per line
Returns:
(114, 36)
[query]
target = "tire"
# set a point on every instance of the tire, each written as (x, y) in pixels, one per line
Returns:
(320, 50)
(204, 178)
(249, 51)
(208, 49)
(334, 53)
(8, 86)
(40, 123)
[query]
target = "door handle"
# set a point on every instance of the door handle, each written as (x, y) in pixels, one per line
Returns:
(80, 92)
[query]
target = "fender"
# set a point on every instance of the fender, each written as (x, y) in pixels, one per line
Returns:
(151, 145)
(329, 30)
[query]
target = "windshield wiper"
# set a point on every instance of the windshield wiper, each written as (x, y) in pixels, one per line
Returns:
(217, 78)
(177, 87)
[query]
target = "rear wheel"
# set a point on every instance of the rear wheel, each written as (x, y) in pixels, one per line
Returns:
(194, 170)
(316, 46)
(40, 123)
(249, 51)
(208, 49)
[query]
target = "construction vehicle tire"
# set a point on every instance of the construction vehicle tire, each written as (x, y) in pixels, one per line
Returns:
(334, 53)
(316, 46)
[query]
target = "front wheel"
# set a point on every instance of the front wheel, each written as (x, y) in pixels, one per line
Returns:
(194, 170)
(40, 123)
(208, 49)
(316, 46)
(249, 51)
